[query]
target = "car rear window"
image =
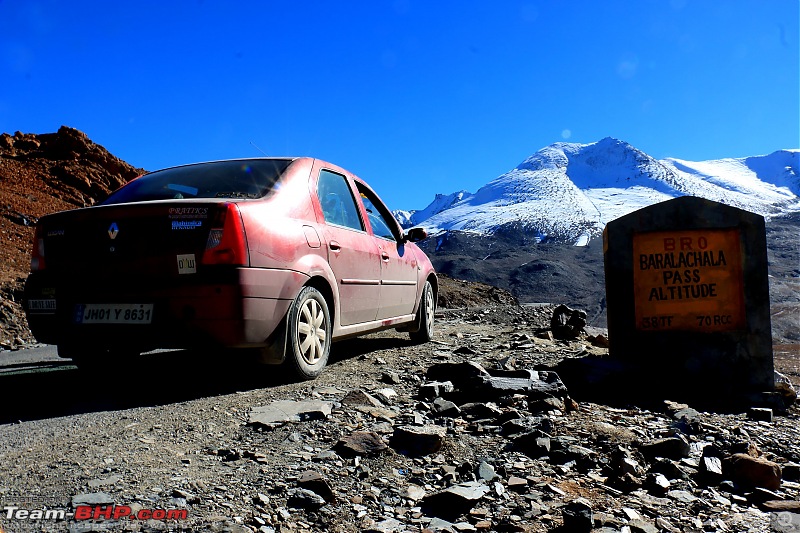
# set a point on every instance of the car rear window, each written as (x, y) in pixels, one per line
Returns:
(252, 178)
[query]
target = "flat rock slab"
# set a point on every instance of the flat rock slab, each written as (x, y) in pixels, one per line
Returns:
(782, 506)
(536, 385)
(111, 480)
(92, 498)
(682, 496)
(474, 379)
(390, 525)
(282, 412)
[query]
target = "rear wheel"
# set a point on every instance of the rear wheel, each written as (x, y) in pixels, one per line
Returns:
(309, 339)
(425, 314)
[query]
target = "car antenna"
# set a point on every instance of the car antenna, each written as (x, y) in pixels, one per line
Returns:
(259, 149)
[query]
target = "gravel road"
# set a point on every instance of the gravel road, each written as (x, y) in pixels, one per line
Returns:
(171, 431)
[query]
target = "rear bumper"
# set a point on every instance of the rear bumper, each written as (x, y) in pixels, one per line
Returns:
(232, 307)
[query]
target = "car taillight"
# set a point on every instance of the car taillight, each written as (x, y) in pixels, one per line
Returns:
(37, 253)
(226, 243)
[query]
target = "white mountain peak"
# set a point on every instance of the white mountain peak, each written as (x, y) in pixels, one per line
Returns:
(569, 191)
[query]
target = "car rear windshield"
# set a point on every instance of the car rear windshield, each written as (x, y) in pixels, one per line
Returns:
(252, 178)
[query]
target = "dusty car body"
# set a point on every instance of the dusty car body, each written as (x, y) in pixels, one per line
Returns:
(280, 255)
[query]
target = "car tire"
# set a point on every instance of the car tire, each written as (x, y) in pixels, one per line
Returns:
(425, 315)
(309, 334)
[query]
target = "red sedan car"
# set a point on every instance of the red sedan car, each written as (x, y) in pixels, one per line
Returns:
(279, 255)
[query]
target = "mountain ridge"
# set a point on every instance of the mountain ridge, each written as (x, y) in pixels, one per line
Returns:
(567, 192)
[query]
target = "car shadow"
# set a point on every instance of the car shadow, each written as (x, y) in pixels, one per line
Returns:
(45, 390)
(35, 391)
(364, 346)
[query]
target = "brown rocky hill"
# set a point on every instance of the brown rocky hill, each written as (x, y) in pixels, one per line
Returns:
(41, 174)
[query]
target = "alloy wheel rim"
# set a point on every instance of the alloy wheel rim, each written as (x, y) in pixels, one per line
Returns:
(311, 331)
(429, 308)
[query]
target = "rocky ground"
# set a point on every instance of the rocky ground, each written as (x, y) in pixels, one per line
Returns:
(380, 442)
(472, 432)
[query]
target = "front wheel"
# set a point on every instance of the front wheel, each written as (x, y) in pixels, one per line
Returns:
(425, 313)
(309, 326)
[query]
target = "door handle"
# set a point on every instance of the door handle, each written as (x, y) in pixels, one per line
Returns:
(385, 256)
(334, 246)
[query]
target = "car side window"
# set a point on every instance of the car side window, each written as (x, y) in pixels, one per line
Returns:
(336, 199)
(381, 227)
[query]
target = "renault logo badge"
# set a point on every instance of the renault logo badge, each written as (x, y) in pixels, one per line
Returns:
(113, 230)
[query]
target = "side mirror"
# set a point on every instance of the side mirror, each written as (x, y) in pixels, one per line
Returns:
(415, 235)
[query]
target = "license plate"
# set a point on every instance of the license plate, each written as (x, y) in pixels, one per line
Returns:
(113, 313)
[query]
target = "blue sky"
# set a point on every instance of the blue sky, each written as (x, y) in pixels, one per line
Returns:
(417, 97)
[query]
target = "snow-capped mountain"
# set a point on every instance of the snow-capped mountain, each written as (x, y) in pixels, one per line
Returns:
(408, 219)
(568, 191)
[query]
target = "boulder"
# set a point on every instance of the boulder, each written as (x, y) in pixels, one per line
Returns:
(752, 471)
(316, 483)
(455, 372)
(360, 397)
(454, 501)
(361, 443)
(304, 499)
(567, 323)
(578, 516)
(417, 441)
(784, 387)
(676, 447)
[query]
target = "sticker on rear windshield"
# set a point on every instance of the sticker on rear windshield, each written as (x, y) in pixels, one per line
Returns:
(186, 264)
(186, 224)
(188, 212)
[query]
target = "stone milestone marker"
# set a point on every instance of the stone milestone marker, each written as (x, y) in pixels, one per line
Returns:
(688, 300)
